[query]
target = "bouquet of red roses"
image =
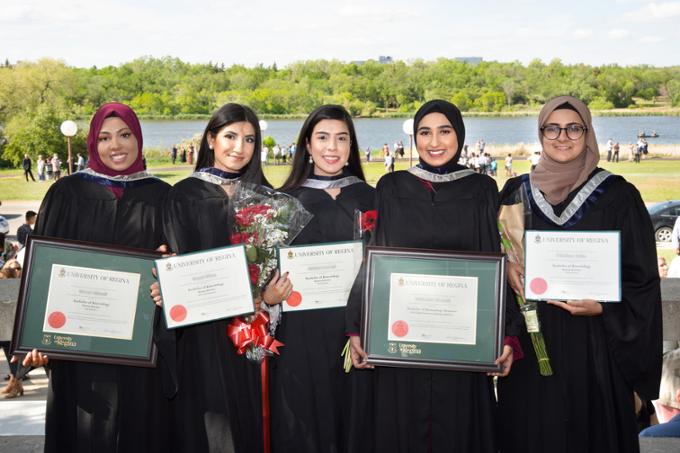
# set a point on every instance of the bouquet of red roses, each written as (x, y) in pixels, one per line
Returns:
(262, 219)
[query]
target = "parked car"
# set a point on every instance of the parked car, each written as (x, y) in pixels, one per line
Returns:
(663, 217)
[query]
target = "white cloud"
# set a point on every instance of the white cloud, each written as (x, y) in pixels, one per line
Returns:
(582, 33)
(651, 39)
(618, 33)
(654, 12)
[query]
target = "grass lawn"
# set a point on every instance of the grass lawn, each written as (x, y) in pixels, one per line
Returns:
(657, 179)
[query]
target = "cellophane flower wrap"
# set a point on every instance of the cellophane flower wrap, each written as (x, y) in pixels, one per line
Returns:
(512, 221)
(262, 219)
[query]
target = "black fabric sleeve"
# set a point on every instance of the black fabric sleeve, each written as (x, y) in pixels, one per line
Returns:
(633, 327)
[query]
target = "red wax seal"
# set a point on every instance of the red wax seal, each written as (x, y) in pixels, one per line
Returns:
(538, 285)
(294, 299)
(56, 320)
(400, 328)
(178, 313)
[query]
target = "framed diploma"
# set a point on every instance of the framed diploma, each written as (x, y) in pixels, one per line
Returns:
(205, 286)
(433, 309)
(322, 274)
(86, 302)
(573, 265)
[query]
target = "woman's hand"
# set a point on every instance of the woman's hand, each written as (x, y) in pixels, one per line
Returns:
(359, 356)
(585, 307)
(278, 289)
(33, 359)
(505, 361)
(155, 287)
(156, 294)
(516, 278)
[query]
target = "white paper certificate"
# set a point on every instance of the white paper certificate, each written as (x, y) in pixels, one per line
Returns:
(205, 286)
(433, 308)
(322, 274)
(573, 265)
(91, 302)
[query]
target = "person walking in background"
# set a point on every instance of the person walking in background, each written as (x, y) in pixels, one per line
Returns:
(534, 159)
(610, 148)
(615, 156)
(183, 155)
(80, 163)
(26, 163)
(264, 154)
(56, 167)
(368, 153)
(26, 229)
(508, 165)
(41, 167)
(173, 154)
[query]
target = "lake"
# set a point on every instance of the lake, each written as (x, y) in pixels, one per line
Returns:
(375, 132)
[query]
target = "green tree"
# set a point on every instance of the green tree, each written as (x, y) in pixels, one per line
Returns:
(38, 132)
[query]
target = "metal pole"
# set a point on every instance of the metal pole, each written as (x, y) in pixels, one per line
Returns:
(410, 150)
(69, 167)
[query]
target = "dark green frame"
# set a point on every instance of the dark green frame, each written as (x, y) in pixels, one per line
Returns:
(41, 254)
(488, 267)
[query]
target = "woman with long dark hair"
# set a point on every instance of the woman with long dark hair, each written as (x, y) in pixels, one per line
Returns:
(217, 407)
(96, 407)
(600, 352)
(437, 205)
(311, 393)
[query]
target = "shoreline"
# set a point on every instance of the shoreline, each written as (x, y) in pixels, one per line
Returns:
(642, 111)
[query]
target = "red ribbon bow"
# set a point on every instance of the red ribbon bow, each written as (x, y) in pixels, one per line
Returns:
(255, 333)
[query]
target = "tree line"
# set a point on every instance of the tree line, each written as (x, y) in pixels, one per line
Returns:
(34, 95)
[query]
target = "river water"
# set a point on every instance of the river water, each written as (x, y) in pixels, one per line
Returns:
(376, 132)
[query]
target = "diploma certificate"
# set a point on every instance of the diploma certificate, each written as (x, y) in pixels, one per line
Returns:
(92, 302)
(322, 274)
(205, 286)
(433, 309)
(573, 265)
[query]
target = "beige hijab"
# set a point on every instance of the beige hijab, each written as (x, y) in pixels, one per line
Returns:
(557, 180)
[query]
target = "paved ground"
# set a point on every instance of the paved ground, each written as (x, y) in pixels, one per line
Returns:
(22, 419)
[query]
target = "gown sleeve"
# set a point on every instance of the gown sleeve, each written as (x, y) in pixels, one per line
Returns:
(179, 223)
(57, 216)
(356, 295)
(491, 241)
(633, 327)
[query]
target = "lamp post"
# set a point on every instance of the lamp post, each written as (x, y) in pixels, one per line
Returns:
(263, 125)
(69, 129)
(407, 127)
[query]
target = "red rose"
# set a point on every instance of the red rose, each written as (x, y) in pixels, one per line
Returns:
(368, 220)
(254, 272)
(236, 238)
(246, 216)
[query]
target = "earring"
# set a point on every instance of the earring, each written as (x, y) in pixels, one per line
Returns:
(347, 164)
(311, 161)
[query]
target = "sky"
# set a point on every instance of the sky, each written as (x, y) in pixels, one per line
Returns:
(84, 33)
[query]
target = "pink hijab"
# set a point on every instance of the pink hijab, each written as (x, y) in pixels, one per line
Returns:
(126, 114)
(557, 180)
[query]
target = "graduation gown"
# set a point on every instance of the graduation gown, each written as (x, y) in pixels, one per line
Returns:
(98, 407)
(587, 404)
(422, 410)
(310, 391)
(217, 407)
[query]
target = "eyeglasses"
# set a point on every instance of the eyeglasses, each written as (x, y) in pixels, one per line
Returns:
(573, 131)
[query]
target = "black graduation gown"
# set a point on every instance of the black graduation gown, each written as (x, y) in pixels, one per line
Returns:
(97, 407)
(420, 410)
(217, 407)
(587, 405)
(310, 392)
